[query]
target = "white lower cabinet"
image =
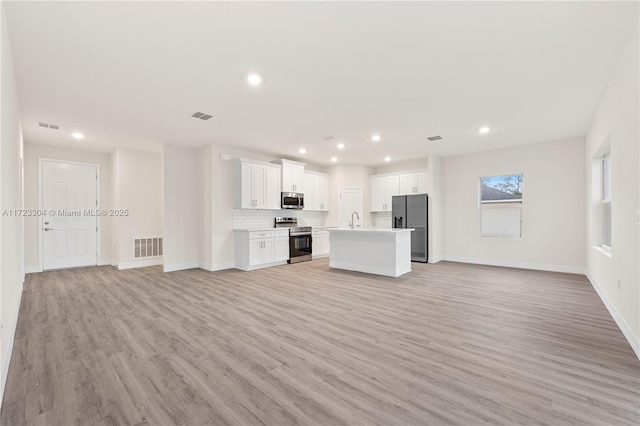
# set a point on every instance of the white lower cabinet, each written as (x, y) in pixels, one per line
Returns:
(320, 243)
(261, 249)
(282, 248)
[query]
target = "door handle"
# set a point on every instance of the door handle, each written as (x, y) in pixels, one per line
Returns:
(48, 229)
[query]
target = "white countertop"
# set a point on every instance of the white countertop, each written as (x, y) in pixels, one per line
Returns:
(318, 228)
(328, 228)
(256, 229)
(377, 230)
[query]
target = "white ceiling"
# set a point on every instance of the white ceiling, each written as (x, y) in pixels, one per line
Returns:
(132, 73)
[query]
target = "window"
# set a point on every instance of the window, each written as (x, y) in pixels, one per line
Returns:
(605, 201)
(501, 206)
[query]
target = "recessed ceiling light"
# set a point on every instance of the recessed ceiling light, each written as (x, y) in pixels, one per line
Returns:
(302, 151)
(375, 138)
(334, 159)
(484, 130)
(340, 145)
(254, 79)
(77, 135)
(387, 159)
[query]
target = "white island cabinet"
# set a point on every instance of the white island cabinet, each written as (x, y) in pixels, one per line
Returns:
(375, 251)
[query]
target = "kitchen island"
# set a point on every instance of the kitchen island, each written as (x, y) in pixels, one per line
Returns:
(377, 251)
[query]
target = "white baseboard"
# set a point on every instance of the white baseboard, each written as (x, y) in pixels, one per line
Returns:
(181, 266)
(216, 267)
(32, 269)
(11, 334)
(101, 262)
(140, 263)
(436, 259)
(620, 321)
(513, 264)
(263, 266)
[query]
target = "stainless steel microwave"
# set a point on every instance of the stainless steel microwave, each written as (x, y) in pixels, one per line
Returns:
(292, 200)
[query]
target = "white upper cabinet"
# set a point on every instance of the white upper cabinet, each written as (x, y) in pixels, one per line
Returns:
(316, 191)
(321, 192)
(273, 187)
(385, 186)
(292, 175)
(309, 193)
(413, 183)
(382, 189)
(258, 185)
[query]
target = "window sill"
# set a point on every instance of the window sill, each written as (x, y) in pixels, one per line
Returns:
(603, 250)
(500, 238)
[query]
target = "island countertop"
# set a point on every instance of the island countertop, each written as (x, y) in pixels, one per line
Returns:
(378, 230)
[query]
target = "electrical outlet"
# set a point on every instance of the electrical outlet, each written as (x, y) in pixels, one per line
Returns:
(619, 283)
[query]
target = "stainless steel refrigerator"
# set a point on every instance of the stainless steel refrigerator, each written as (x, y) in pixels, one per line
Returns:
(412, 211)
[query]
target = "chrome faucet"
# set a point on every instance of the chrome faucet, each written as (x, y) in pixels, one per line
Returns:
(353, 224)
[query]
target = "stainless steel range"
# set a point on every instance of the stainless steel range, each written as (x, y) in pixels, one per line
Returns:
(299, 239)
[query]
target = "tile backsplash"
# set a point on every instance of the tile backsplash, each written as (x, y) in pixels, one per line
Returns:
(253, 219)
(381, 219)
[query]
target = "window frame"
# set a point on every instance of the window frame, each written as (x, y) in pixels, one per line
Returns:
(492, 204)
(605, 202)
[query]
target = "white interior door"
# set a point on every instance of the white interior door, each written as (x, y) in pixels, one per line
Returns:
(69, 229)
(350, 201)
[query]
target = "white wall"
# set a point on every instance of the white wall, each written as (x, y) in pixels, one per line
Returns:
(11, 181)
(393, 167)
(618, 115)
(434, 189)
(138, 189)
(205, 207)
(553, 219)
(349, 176)
(181, 225)
(33, 152)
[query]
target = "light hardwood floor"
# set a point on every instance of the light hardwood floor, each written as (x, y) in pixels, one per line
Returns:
(303, 344)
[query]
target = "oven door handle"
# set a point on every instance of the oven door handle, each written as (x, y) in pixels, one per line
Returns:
(300, 234)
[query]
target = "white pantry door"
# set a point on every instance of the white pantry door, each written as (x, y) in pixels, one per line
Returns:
(69, 235)
(350, 201)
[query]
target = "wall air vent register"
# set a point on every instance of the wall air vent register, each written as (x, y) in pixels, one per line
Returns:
(147, 247)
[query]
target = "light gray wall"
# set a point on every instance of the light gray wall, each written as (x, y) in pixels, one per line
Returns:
(11, 197)
(553, 219)
(181, 225)
(618, 115)
(138, 189)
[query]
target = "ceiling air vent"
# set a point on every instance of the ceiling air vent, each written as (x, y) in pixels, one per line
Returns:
(48, 126)
(201, 115)
(435, 138)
